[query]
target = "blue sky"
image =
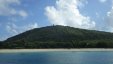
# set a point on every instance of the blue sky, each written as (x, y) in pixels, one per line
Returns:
(17, 16)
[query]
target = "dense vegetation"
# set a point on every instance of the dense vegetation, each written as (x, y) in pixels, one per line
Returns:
(60, 37)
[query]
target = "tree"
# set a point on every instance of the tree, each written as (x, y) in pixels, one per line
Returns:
(101, 44)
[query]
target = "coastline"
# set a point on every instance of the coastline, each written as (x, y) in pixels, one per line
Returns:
(56, 50)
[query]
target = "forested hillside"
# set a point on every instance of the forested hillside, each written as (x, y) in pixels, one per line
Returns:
(60, 37)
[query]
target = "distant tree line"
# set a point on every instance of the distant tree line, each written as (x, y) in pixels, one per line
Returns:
(52, 44)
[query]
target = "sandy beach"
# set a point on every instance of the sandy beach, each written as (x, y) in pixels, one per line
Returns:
(51, 50)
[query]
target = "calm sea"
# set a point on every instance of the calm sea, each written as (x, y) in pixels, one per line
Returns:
(57, 58)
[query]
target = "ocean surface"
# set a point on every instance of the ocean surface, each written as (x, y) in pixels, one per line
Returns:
(57, 58)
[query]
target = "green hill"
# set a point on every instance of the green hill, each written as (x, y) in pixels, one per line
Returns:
(60, 37)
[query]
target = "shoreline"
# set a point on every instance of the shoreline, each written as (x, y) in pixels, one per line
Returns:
(56, 50)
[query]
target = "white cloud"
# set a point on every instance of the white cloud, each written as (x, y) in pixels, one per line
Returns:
(23, 13)
(97, 15)
(82, 3)
(31, 26)
(6, 9)
(110, 19)
(102, 1)
(13, 29)
(66, 12)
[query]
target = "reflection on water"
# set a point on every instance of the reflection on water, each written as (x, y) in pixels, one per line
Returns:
(57, 58)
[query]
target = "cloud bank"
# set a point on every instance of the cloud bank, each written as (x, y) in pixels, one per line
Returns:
(66, 12)
(7, 10)
(110, 19)
(10, 26)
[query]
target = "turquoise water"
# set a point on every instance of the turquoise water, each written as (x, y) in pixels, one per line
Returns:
(57, 58)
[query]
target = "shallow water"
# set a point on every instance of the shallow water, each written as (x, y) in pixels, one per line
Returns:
(57, 58)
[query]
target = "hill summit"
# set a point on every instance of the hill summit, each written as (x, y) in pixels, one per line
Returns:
(60, 37)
